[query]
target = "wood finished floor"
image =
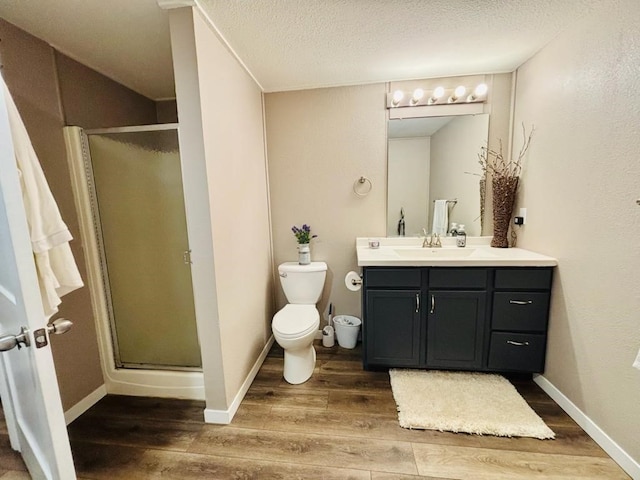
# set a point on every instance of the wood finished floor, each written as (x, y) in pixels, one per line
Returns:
(341, 424)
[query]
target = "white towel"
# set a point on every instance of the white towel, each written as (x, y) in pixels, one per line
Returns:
(637, 362)
(55, 265)
(440, 217)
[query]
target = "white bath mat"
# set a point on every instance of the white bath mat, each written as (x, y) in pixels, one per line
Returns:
(479, 403)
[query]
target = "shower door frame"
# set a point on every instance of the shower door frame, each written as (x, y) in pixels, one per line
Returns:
(125, 381)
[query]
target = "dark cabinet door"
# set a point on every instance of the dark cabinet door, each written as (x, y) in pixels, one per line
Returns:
(455, 326)
(392, 328)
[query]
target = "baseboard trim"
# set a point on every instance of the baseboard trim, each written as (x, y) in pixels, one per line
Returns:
(224, 417)
(85, 404)
(621, 457)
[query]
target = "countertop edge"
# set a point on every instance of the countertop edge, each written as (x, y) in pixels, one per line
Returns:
(458, 263)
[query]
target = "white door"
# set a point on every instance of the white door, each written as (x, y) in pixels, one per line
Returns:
(28, 384)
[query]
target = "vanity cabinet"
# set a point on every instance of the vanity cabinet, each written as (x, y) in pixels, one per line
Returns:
(455, 317)
(519, 320)
(467, 318)
(393, 302)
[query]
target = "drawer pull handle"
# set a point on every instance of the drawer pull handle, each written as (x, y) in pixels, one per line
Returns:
(417, 302)
(433, 304)
(521, 302)
(518, 344)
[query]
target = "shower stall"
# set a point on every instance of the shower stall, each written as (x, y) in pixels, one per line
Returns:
(129, 194)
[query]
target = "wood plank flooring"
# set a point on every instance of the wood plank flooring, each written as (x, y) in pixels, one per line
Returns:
(341, 424)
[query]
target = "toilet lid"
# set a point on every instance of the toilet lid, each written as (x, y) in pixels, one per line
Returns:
(296, 320)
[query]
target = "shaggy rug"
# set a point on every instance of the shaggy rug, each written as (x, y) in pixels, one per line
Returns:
(479, 403)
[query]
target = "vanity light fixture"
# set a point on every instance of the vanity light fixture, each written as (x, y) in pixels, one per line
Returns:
(480, 91)
(418, 94)
(436, 95)
(398, 95)
(457, 93)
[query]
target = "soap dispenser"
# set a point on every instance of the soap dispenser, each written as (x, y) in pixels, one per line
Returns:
(461, 237)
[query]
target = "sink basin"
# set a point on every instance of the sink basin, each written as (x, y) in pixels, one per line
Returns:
(444, 252)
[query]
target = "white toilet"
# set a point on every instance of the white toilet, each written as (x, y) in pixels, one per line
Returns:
(295, 325)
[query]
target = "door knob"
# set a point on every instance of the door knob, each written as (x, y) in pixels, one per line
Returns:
(7, 342)
(59, 326)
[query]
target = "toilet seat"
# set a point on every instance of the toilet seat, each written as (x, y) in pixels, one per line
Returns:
(294, 320)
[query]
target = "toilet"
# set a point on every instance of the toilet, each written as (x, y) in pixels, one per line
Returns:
(295, 325)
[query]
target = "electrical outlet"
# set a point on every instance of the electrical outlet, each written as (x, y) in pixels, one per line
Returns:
(523, 214)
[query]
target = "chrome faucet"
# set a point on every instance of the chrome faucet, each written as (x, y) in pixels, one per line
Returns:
(431, 241)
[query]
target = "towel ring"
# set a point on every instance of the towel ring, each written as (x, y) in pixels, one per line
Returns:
(362, 181)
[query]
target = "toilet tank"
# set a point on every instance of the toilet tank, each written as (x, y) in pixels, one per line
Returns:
(302, 284)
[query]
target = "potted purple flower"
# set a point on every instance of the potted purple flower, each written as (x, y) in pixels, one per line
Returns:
(303, 236)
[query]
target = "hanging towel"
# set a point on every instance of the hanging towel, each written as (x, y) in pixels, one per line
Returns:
(637, 362)
(440, 217)
(55, 265)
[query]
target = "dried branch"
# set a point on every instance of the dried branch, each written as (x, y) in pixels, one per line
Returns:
(493, 162)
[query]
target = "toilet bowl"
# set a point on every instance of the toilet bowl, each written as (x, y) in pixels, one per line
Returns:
(295, 325)
(294, 328)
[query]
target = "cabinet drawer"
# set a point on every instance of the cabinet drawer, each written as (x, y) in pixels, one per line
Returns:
(517, 351)
(462, 278)
(392, 277)
(523, 278)
(520, 311)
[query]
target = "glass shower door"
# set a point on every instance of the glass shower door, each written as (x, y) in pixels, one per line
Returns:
(139, 208)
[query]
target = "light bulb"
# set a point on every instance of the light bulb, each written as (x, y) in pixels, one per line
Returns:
(436, 95)
(481, 90)
(457, 93)
(398, 95)
(418, 93)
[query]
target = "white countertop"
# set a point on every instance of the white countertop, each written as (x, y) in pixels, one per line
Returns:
(408, 252)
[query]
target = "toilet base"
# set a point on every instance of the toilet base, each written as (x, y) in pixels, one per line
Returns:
(299, 364)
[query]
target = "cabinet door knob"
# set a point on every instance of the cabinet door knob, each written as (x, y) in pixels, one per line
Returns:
(521, 302)
(433, 304)
(417, 302)
(518, 344)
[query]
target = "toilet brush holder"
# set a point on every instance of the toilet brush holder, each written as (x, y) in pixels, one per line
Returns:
(328, 336)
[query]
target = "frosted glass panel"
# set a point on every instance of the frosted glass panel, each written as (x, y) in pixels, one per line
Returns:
(138, 187)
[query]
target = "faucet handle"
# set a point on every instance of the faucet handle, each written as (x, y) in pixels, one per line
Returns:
(424, 230)
(438, 243)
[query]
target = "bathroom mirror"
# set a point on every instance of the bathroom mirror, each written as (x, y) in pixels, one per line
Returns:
(434, 158)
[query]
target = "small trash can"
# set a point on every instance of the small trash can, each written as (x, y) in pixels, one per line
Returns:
(347, 329)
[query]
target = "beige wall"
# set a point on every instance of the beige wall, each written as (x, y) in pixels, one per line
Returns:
(580, 186)
(197, 204)
(29, 69)
(167, 111)
(233, 123)
(222, 140)
(91, 100)
(319, 143)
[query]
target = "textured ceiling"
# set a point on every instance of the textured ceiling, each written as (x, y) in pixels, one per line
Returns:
(296, 44)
